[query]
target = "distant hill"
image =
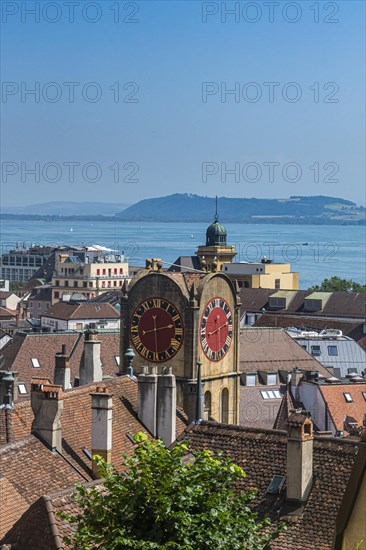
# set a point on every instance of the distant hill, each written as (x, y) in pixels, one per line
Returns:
(64, 208)
(195, 208)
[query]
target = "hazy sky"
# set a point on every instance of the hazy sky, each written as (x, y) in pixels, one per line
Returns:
(131, 99)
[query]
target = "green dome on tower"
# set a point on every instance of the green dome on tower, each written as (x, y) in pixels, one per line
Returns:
(216, 233)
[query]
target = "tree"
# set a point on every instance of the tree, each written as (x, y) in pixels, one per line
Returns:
(336, 283)
(161, 499)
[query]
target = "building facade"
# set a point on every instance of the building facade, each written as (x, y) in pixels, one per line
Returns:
(90, 275)
(263, 274)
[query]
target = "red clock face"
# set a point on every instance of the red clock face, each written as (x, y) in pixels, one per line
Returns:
(216, 329)
(156, 330)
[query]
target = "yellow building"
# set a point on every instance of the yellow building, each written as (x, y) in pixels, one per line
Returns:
(91, 278)
(263, 274)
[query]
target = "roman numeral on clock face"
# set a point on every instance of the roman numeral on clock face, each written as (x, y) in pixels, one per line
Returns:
(156, 329)
(216, 329)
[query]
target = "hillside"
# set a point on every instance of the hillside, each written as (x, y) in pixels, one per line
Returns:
(195, 208)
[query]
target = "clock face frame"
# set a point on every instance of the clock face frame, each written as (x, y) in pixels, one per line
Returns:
(156, 330)
(216, 329)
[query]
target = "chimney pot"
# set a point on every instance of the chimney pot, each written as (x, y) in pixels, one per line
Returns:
(47, 404)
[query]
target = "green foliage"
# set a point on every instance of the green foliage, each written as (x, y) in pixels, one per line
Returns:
(161, 499)
(336, 283)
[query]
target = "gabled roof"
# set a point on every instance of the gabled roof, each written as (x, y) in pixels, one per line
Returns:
(257, 412)
(263, 454)
(273, 350)
(4, 294)
(185, 264)
(29, 466)
(18, 353)
(89, 310)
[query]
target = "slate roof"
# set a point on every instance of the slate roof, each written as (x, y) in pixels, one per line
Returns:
(185, 264)
(350, 354)
(18, 353)
(89, 310)
(339, 305)
(273, 350)
(262, 454)
(352, 329)
(5, 294)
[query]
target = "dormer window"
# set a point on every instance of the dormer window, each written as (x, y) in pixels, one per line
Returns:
(315, 350)
(332, 350)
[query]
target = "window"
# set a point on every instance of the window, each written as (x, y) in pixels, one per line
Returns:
(117, 359)
(57, 283)
(250, 379)
(22, 389)
(66, 283)
(276, 485)
(85, 284)
(277, 283)
(115, 271)
(39, 305)
(332, 350)
(103, 284)
(104, 271)
(207, 405)
(114, 283)
(57, 294)
(98, 271)
(348, 397)
(225, 406)
(35, 363)
(271, 379)
(315, 350)
(271, 394)
(364, 395)
(75, 283)
(121, 270)
(91, 284)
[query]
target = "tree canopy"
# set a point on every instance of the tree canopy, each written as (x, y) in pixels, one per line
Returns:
(337, 283)
(168, 499)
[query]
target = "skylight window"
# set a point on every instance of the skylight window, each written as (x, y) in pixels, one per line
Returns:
(348, 397)
(276, 485)
(364, 395)
(22, 389)
(117, 359)
(35, 363)
(271, 394)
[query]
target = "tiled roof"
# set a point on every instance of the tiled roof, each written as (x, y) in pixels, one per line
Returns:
(33, 470)
(90, 310)
(17, 354)
(340, 304)
(6, 313)
(12, 505)
(338, 407)
(263, 454)
(257, 412)
(273, 350)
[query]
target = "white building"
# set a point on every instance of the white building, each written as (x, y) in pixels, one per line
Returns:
(73, 316)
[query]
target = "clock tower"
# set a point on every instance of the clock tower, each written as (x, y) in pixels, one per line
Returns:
(178, 319)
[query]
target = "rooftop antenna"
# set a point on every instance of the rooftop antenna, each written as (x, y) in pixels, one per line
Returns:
(216, 214)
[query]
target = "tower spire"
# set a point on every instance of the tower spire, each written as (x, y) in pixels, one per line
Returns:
(216, 214)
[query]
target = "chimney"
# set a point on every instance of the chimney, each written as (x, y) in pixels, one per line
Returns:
(296, 376)
(101, 444)
(299, 455)
(47, 404)
(62, 374)
(91, 365)
(147, 397)
(166, 407)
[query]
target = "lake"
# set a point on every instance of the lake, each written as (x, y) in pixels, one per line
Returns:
(316, 251)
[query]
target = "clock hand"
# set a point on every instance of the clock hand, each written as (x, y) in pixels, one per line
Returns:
(156, 329)
(155, 334)
(217, 329)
